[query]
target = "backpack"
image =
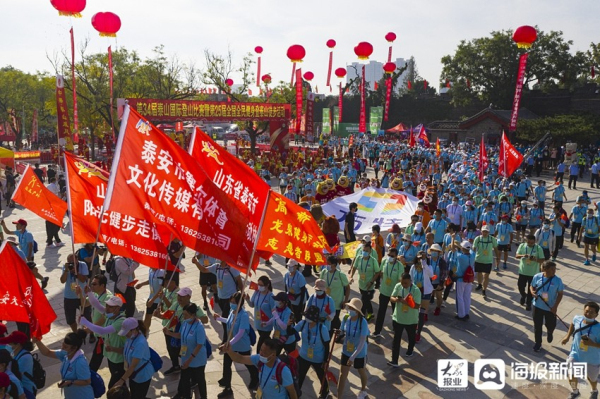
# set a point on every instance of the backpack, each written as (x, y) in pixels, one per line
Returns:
(111, 270)
(35, 246)
(39, 374)
(208, 346)
(156, 360)
(252, 335)
(469, 275)
(97, 384)
(282, 362)
(319, 325)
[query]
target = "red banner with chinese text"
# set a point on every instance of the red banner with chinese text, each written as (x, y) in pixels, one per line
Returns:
(518, 92)
(509, 158)
(388, 94)
(309, 117)
(124, 235)
(362, 121)
(62, 112)
(75, 115)
(291, 231)
(33, 195)
(329, 69)
(298, 100)
(340, 102)
(34, 127)
(483, 160)
(236, 179)
(154, 179)
(173, 110)
(21, 297)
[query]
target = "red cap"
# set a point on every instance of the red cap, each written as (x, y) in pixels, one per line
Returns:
(15, 337)
(21, 221)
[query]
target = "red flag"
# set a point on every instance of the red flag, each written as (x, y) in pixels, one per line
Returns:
(376, 86)
(509, 159)
(411, 138)
(438, 149)
(154, 179)
(263, 316)
(409, 85)
(423, 136)
(448, 85)
(291, 231)
(253, 286)
(33, 195)
(212, 302)
(327, 307)
(483, 160)
(424, 85)
(22, 297)
(331, 377)
(123, 234)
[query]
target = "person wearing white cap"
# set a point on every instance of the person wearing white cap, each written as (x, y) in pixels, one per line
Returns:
(419, 233)
(113, 342)
(354, 349)
(295, 286)
(465, 261)
(485, 247)
(469, 213)
(323, 302)
(137, 355)
(408, 252)
(522, 216)
(439, 268)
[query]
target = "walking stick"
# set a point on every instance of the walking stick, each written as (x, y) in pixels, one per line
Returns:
(327, 375)
(556, 314)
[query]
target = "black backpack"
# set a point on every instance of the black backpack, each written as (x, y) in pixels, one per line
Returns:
(39, 374)
(111, 270)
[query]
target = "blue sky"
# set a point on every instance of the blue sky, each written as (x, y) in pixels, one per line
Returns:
(426, 29)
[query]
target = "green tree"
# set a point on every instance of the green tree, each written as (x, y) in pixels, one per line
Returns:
(490, 64)
(582, 129)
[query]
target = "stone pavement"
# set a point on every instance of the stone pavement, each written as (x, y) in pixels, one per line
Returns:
(499, 328)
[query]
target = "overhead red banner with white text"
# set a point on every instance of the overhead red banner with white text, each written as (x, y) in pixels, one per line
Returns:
(518, 92)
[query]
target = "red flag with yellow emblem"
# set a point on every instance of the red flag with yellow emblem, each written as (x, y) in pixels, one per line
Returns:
(291, 231)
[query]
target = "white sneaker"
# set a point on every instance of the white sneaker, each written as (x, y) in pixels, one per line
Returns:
(361, 395)
(59, 244)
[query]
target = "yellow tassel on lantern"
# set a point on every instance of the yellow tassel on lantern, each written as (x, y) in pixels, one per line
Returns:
(524, 45)
(362, 57)
(106, 34)
(69, 14)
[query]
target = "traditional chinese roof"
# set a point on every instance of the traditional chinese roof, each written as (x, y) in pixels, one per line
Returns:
(502, 117)
(444, 125)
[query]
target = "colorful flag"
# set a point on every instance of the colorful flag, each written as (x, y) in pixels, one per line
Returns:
(509, 159)
(483, 160)
(154, 179)
(123, 234)
(33, 195)
(291, 231)
(62, 112)
(411, 138)
(22, 298)
(423, 136)
(438, 149)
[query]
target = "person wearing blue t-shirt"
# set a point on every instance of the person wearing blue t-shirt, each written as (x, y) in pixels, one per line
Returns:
(437, 226)
(547, 290)
(238, 324)
(75, 372)
(586, 346)
(275, 379)
(576, 217)
(540, 193)
(354, 349)
(558, 226)
(505, 236)
(589, 230)
(137, 356)
(263, 303)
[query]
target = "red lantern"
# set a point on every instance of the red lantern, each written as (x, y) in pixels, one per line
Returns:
(258, 49)
(308, 76)
(331, 43)
(390, 37)
(229, 82)
(107, 23)
(266, 79)
(296, 53)
(389, 67)
(340, 72)
(69, 8)
(524, 36)
(363, 50)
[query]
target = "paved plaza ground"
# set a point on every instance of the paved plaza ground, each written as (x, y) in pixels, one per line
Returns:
(499, 328)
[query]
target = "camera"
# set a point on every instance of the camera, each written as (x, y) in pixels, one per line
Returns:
(70, 265)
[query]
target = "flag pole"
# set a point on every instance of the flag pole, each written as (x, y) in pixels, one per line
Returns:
(260, 226)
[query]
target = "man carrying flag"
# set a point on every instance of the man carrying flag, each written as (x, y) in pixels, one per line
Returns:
(483, 160)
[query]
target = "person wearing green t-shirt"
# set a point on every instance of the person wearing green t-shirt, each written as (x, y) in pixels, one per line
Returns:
(113, 342)
(485, 247)
(337, 288)
(391, 270)
(368, 271)
(407, 296)
(98, 286)
(530, 256)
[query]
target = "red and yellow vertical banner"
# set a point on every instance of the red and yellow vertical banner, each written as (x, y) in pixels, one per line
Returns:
(438, 150)
(62, 112)
(34, 127)
(341, 103)
(518, 92)
(75, 116)
(362, 122)
(298, 100)
(483, 160)
(388, 94)
(309, 117)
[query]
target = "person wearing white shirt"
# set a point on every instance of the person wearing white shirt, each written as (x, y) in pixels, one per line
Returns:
(454, 212)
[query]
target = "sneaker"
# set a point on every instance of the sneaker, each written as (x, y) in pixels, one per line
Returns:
(537, 347)
(587, 262)
(408, 354)
(417, 338)
(172, 370)
(554, 259)
(437, 311)
(528, 307)
(49, 245)
(478, 287)
(594, 395)
(253, 386)
(593, 260)
(369, 316)
(361, 395)
(225, 393)
(45, 282)
(522, 301)
(576, 394)
(504, 266)
(59, 244)
(444, 303)
(483, 293)
(376, 335)
(466, 317)
(496, 269)
(550, 337)
(393, 364)
(205, 307)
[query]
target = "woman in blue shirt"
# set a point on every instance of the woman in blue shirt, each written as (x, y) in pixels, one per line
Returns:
(263, 304)
(354, 350)
(314, 347)
(238, 327)
(193, 353)
(74, 372)
(21, 351)
(281, 316)
(137, 356)
(295, 286)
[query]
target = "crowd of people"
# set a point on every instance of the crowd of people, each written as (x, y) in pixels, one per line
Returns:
(463, 230)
